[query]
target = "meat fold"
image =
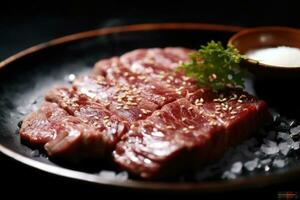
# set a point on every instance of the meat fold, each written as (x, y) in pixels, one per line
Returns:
(185, 135)
(123, 100)
(160, 88)
(38, 127)
(61, 134)
(154, 60)
(107, 124)
(148, 87)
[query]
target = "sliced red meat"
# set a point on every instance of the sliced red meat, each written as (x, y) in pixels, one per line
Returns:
(175, 138)
(174, 124)
(110, 126)
(159, 64)
(159, 88)
(154, 60)
(123, 100)
(37, 127)
(240, 112)
(62, 135)
(194, 134)
(149, 88)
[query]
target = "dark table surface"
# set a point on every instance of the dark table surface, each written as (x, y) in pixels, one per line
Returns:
(32, 22)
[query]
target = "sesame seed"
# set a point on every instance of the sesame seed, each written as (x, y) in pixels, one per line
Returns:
(180, 88)
(106, 117)
(188, 94)
(185, 78)
(212, 115)
(223, 99)
(242, 96)
(140, 115)
(233, 112)
(141, 77)
(171, 78)
(106, 104)
(132, 126)
(185, 129)
(191, 127)
(143, 111)
(131, 103)
(212, 123)
(234, 96)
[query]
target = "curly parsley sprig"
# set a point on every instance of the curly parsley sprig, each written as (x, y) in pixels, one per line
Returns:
(215, 66)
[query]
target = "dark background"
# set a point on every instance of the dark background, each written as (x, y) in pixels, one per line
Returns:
(27, 23)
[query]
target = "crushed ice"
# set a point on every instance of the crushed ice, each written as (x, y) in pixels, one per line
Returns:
(111, 175)
(268, 151)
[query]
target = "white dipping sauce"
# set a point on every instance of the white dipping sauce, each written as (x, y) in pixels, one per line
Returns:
(278, 56)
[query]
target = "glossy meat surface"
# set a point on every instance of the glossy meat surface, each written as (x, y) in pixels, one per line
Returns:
(149, 118)
(107, 124)
(189, 133)
(61, 134)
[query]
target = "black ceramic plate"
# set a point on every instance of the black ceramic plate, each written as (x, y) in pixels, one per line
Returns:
(26, 76)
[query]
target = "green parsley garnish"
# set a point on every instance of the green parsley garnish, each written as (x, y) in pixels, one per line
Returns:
(215, 66)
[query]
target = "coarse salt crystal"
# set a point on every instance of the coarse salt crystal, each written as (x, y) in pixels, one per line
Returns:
(269, 150)
(284, 148)
(295, 130)
(108, 175)
(278, 163)
(251, 165)
(236, 167)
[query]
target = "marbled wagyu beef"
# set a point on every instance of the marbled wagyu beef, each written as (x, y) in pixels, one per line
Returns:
(150, 119)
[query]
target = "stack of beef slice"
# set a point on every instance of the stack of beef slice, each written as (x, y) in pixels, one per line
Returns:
(141, 113)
